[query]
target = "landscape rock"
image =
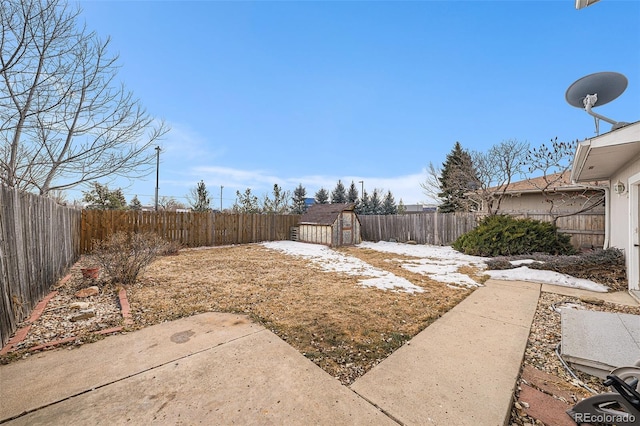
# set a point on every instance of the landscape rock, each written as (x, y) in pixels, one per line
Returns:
(592, 301)
(83, 315)
(88, 292)
(80, 306)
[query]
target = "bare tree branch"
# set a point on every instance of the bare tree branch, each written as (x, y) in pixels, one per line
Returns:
(554, 161)
(495, 170)
(63, 120)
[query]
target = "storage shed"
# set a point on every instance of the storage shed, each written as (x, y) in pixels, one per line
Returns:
(331, 224)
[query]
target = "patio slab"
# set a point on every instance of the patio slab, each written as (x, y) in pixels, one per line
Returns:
(597, 342)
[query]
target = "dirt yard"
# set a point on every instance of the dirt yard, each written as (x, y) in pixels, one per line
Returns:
(340, 325)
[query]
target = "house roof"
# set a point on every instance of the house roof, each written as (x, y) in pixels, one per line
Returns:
(601, 157)
(325, 214)
(556, 181)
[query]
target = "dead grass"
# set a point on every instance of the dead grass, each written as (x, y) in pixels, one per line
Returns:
(343, 327)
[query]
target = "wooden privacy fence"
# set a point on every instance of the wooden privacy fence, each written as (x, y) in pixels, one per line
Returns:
(190, 229)
(39, 241)
(423, 228)
(586, 230)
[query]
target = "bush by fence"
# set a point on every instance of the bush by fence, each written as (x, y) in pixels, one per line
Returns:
(39, 240)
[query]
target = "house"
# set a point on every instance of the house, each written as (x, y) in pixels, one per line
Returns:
(331, 224)
(615, 157)
(527, 196)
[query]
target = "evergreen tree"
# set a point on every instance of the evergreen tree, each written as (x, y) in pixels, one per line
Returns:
(352, 195)
(364, 207)
(199, 198)
(389, 204)
(322, 196)
(402, 209)
(135, 203)
(375, 204)
(246, 203)
(101, 197)
(280, 202)
(299, 197)
(458, 177)
(339, 194)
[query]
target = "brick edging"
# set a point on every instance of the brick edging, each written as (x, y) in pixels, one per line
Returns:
(21, 334)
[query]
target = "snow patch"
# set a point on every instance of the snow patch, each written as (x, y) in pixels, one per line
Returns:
(332, 261)
(546, 277)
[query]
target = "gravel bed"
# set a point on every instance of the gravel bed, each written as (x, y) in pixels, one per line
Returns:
(57, 322)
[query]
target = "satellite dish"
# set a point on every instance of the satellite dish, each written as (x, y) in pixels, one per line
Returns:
(596, 90)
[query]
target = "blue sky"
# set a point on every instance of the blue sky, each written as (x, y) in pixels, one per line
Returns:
(291, 92)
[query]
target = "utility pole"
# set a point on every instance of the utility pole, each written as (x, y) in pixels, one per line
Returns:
(157, 173)
(221, 198)
(361, 182)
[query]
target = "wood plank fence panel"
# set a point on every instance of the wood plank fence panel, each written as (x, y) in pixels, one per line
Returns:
(423, 228)
(586, 230)
(191, 229)
(39, 241)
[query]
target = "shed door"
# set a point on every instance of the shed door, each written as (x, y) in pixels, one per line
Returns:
(347, 228)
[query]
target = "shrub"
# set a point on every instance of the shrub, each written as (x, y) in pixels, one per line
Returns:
(499, 263)
(171, 248)
(501, 235)
(123, 256)
(602, 266)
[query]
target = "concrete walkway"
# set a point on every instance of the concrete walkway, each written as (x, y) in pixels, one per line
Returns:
(223, 369)
(462, 369)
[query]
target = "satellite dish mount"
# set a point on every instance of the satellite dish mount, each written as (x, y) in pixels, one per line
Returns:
(599, 88)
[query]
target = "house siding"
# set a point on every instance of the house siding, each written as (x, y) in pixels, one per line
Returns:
(535, 203)
(620, 232)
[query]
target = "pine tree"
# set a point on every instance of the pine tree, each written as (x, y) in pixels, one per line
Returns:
(280, 202)
(339, 194)
(352, 195)
(364, 207)
(135, 203)
(322, 196)
(402, 209)
(375, 204)
(246, 203)
(299, 200)
(199, 198)
(389, 204)
(458, 177)
(101, 197)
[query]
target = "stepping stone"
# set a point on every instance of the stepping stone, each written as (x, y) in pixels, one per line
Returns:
(545, 408)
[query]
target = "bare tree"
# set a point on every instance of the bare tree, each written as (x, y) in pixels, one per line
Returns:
(495, 169)
(63, 118)
(169, 203)
(554, 161)
(431, 185)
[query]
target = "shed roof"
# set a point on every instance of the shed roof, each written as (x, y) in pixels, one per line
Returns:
(325, 214)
